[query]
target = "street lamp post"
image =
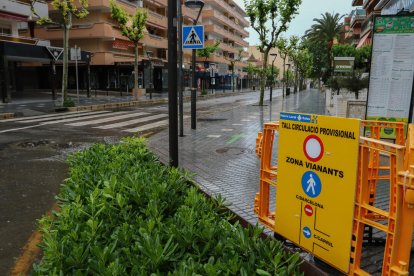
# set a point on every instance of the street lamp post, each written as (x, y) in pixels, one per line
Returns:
(287, 79)
(194, 4)
(272, 77)
(172, 82)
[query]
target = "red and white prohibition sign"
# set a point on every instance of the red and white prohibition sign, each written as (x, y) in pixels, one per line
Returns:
(308, 210)
(313, 148)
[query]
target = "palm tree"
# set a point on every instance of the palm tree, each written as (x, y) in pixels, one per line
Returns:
(326, 30)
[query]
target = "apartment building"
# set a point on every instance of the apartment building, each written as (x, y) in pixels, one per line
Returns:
(379, 7)
(224, 21)
(112, 54)
(353, 25)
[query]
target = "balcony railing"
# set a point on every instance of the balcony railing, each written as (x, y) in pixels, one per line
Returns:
(227, 7)
(366, 26)
(225, 20)
(227, 34)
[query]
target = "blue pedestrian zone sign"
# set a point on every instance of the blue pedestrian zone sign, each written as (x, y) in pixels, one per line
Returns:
(193, 37)
(311, 184)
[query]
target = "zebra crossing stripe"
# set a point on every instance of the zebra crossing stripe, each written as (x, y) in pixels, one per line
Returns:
(33, 117)
(62, 117)
(131, 122)
(147, 126)
(110, 119)
(76, 119)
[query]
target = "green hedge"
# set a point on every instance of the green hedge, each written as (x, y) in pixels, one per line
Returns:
(124, 213)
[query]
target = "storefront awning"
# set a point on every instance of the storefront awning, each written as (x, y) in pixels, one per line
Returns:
(365, 40)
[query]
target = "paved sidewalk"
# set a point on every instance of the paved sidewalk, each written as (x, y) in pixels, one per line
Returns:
(221, 152)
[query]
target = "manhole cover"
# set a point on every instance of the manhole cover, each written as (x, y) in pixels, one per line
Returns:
(233, 150)
(211, 119)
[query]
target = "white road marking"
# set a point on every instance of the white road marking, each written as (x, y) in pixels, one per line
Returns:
(110, 119)
(40, 116)
(213, 136)
(63, 117)
(76, 119)
(236, 124)
(13, 129)
(148, 126)
(131, 122)
(227, 129)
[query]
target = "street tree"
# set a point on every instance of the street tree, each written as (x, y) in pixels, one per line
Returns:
(327, 30)
(269, 18)
(355, 82)
(132, 27)
(233, 59)
(67, 10)
(206, 53)
(303, 65)
(285, 48)
(251, 71)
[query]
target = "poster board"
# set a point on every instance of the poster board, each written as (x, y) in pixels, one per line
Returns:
(316, 184)
(392, 71)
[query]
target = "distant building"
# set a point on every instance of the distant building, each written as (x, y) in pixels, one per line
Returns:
(258, 56)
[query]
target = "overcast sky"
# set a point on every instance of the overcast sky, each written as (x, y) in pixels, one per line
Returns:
(308, 10)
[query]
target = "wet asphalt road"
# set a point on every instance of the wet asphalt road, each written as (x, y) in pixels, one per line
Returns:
(33, 167)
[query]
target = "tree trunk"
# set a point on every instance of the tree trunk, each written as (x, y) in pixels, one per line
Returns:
(356, 94)
(66, 28)
(295, 88)
(263, 75)
(136, 69)
(232, 76)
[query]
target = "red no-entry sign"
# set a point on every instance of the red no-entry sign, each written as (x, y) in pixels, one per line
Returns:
(308, 210)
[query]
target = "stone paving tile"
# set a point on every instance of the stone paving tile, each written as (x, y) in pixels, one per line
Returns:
(228, 165)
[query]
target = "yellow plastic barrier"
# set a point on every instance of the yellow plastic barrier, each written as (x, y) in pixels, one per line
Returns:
(399, 216)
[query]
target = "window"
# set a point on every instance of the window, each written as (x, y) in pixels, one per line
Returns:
(5, 30)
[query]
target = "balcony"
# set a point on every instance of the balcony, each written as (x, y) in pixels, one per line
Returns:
(82, 31)
(22, 8)
(157, 20)
(356, 3)
(367, 26)
(227, 34)
(225, 20)
(154, 41)
(226, 7)
(357, 17)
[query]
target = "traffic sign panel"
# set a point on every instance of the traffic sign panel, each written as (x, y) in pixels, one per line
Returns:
(316, 184)
(193, 37)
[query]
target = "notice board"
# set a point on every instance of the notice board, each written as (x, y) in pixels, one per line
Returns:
(392, 71)
(317, 170)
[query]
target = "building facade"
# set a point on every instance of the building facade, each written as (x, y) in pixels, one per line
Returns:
(378, 7)
(224, 21)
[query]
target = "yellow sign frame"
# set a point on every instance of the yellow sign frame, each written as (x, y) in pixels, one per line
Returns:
(317, 173)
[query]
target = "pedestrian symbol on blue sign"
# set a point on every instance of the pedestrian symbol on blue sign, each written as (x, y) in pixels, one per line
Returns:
(311, 184)
(193, 37)
(307, 232)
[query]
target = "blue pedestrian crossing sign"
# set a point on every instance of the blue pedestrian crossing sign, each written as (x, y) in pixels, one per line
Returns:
(193, 37)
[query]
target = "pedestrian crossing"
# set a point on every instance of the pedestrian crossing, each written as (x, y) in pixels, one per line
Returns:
(125, 121)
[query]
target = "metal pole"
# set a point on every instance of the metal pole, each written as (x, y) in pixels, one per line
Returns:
(150, 77)
(271, 82)
(88, 82)
(76, 70)
(193, 92)
(172, 82)
(180, 70)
